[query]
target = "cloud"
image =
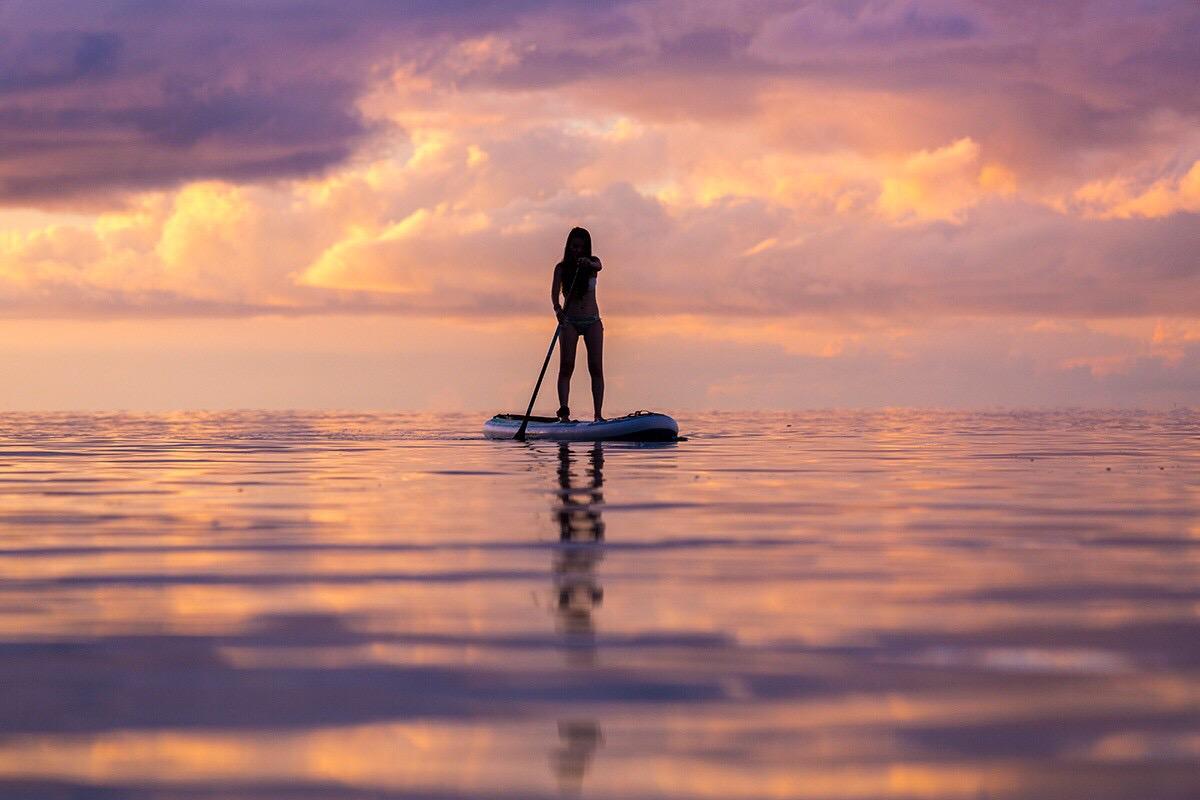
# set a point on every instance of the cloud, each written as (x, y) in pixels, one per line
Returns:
(836, 26)
(130, 106)
(1119, 198)
(934, 185)
(1005, 257)
(106, 98)
(56, 58)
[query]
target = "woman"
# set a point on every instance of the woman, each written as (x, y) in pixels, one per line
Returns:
(578, 315)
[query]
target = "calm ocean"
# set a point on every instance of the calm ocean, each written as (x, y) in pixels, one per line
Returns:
(813, 605)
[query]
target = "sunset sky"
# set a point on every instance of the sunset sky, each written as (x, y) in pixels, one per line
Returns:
(358, 204)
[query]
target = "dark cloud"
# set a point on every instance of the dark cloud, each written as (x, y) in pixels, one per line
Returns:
(43, 60)
(878, 24)
(705, 46)
(110, 96)
(282, 117)
(193, 131)
(96, 112)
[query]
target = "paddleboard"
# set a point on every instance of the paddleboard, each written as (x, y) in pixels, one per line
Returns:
(641, 426)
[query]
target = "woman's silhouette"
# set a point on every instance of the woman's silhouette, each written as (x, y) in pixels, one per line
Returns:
(578, 315)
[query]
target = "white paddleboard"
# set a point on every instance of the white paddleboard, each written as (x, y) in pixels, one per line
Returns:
(641, 426)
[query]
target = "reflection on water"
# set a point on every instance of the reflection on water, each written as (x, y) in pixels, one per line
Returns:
(580, 739)
(822, 605)
(581, 530)
(578, 591)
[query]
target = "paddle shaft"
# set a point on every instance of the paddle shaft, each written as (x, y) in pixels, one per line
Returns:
(537, 387)
(520, 437)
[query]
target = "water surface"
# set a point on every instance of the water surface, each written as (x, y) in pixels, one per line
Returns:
(817, 605)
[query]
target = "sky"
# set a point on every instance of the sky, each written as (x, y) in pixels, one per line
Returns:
(358, 204)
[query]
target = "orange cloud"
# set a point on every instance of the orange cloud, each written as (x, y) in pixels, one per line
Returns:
(936, 184)
(1119, 199)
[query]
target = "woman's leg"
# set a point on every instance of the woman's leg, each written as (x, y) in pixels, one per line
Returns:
(568, 342)
(594, 339)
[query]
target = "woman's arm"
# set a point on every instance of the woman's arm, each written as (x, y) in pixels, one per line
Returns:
(595, 263)
(556, 288)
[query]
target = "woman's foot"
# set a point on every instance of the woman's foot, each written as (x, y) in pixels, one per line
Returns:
(563, 414)
(600, 418)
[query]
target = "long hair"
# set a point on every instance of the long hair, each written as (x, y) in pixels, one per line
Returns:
(571, 281)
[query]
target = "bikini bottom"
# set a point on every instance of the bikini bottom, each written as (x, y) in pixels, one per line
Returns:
(581, 324)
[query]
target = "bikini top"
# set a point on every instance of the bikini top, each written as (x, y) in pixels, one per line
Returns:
(591, 285)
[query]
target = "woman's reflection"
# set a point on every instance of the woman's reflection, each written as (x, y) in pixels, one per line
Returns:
(578, 742)
(578, 593)
(580, 530)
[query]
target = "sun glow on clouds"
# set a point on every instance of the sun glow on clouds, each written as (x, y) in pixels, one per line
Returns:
(848, 183)
(1118, 198)
(942, 184)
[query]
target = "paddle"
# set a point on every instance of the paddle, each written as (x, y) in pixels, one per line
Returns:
(537, 387)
